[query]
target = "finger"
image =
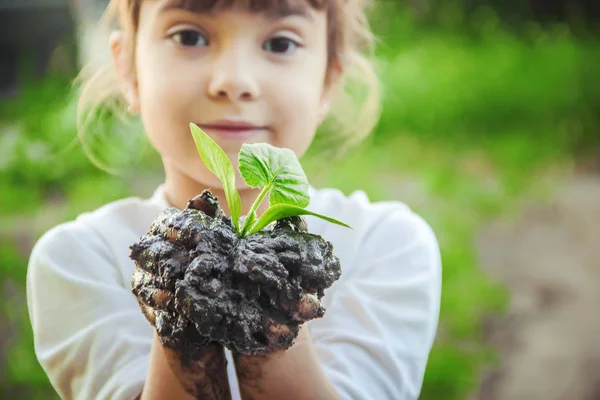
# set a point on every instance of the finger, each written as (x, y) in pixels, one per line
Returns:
(148, 313)
(176, 332)
(147, 288)
(167, 225)
(279, 335)
(184, 227)
(160, 223)
(309, 308)
(168, 325)
(159, 257)
(149, 251)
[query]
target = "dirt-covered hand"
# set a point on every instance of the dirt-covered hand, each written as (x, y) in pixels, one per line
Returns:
(200, 366)
(161, 259)
(205, 284)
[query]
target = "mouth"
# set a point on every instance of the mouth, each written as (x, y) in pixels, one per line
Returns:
(231, 129)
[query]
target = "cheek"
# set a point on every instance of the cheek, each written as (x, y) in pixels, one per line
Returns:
(299, 107)
(165, 100)
(160, 89)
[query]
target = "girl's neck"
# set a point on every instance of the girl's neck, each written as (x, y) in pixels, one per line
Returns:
(180, 187)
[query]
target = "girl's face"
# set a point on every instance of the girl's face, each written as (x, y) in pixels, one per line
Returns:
(243, 77)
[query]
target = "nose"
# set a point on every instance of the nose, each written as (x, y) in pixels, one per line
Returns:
(233, 79)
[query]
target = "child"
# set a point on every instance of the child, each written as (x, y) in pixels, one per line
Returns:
(245, 71)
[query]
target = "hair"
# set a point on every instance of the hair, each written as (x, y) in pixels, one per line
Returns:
(356, 107)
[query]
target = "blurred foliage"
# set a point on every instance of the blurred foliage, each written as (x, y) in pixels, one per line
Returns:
(446, 85)
(582, 16)
(475, 114)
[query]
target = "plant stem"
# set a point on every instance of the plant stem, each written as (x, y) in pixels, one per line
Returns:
(253, 209)
(248, 222)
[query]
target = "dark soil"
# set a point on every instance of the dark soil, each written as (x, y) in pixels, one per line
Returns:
(250, 295)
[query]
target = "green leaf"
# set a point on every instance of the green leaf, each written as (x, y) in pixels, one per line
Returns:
(218, 163)
(280, 211)
(263, 165)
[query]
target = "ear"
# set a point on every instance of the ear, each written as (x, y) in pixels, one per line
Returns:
(332, 84)
(123, 63)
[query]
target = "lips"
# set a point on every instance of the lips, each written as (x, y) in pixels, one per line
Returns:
(232, 125)
(232, 129)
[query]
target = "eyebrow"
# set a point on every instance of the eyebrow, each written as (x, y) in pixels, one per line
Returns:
(274, 13)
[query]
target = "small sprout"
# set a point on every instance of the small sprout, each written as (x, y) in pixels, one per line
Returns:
(275, 170)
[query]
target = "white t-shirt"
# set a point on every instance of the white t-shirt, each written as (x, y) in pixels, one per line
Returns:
(374, 340)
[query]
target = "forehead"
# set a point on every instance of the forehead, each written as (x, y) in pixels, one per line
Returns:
(282, 7)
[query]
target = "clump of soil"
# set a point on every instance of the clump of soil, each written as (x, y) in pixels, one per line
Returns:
(205, 284)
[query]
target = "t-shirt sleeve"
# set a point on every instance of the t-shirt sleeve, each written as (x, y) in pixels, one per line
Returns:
(379, 327)
(89, 334)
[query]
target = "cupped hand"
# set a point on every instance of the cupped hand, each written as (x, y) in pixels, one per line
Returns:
(199, 365)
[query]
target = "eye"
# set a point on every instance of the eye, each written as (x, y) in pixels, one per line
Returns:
(281, 45)
(189, 38)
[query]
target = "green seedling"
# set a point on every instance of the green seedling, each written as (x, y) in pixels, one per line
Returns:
(275, 170)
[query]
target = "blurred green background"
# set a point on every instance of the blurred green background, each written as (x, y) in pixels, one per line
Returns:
(487, 105)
